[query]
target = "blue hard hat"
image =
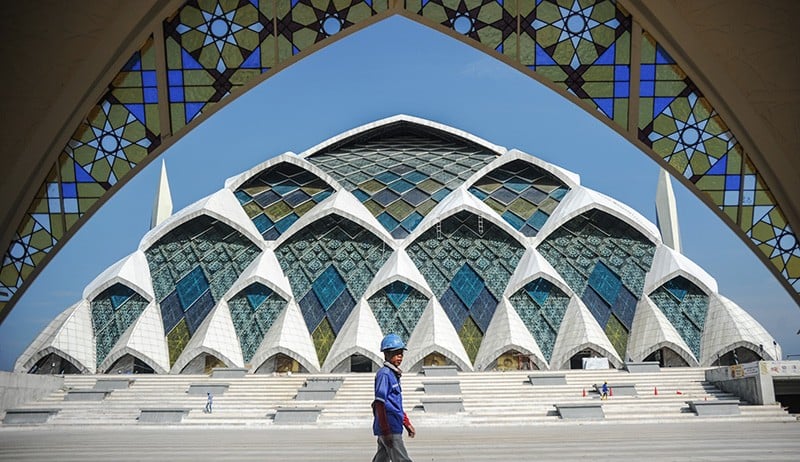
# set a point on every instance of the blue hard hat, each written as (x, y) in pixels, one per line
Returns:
(392, 342)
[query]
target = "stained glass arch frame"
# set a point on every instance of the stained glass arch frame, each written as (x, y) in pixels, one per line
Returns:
(754, 213)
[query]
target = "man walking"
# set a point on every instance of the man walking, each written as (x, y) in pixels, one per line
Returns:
(387, 408)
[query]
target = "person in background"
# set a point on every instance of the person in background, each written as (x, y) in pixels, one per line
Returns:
(209, 401)
(604, 391)
(387, 407)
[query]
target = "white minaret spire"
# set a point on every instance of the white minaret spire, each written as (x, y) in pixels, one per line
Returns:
(162, 207)
(667, 212)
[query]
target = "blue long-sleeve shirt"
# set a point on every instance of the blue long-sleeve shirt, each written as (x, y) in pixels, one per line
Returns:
(389, 392)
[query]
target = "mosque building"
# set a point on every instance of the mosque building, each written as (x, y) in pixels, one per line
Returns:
(478, 256)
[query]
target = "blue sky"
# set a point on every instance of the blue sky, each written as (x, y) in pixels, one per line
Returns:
(394, 67)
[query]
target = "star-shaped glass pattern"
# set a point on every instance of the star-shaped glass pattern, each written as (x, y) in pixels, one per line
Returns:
(493, 23)
(583, 46)
(117, 134)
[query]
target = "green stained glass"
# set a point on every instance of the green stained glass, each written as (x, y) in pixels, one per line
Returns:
(323, 337)
(471, 336)
(618, 335)
(177, 339)
(397, 308)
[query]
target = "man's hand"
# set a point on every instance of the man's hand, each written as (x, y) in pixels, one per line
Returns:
(410, 429)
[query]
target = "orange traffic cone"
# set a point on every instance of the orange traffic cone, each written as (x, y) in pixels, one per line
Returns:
(655, 391)
(610, 391)
(584, 393)
(678, 392)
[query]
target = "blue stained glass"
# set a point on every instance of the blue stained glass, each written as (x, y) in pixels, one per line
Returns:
(340, 310)
(397, 292)
(176, 94)
(199, 310)
(328, 286)
(385, 197)
(483, 309)
(171, 311)
(621, 89)
(647, 88)
(262, 223)
(386, 177)
(534, 195)
(271, 234)
(605, 282)
(313, 313)
(538, 219)
(415, 197)
(401, 186)
(256, 294)
(387, 221)
(285, 188)
(538, 290)
(478, 193)
(467, 285)
(287, 221)
(622, 73)
(321, 196)
(69, 189)
(415, 177)
(648, 72)
(243, 197)
(517, 184)
(175, 78)
(191, 286)
(440, 194)
(606, 105)
(597, 306)
(412, 221)
(296, 198)
(454, 308)
(513, 220)
(360, 195)
(118, 299)
(676, 289)
(504, 196)
(732, 182)
(719, 167)
(625, 307)
(559, 193)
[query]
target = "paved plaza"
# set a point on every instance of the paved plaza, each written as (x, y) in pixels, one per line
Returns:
(704, 441)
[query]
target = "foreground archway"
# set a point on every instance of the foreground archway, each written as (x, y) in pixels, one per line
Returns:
(599, 56)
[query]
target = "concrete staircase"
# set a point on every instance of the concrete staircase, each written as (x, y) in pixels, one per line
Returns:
(489, 398)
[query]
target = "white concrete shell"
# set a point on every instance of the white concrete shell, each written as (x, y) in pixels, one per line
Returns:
(217, 337)
(581, 200)
(728, 327)
(571, 179)
(402, 118)
(651, 331)
(461, 200)
(70, 336)
(265, 270)
(399, 267)
(506, 332)
(235, 182)
(579, 330)
(360, 334)
(531, 267)
(343, 204)
(222, 206)
(145, 340)
(668, 264)
(435, 334)
(288, 336)
(131, 271)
